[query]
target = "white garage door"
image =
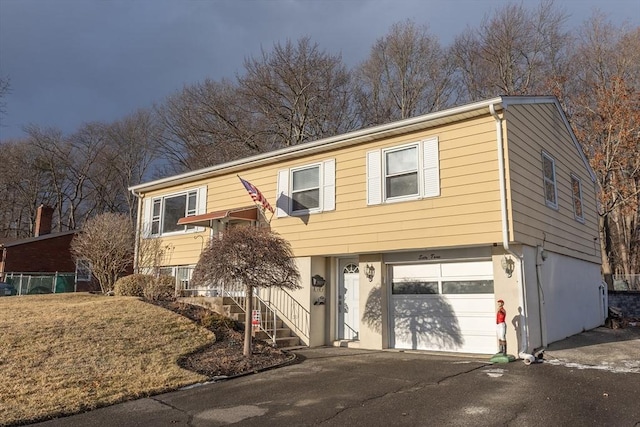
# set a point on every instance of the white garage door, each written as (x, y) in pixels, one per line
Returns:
(444, 307)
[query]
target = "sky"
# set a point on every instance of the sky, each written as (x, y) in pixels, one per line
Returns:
(71, 62)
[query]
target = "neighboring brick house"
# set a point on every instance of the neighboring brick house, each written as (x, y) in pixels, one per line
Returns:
(46, 252)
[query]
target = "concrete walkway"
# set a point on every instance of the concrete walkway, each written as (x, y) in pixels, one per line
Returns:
(615, 350)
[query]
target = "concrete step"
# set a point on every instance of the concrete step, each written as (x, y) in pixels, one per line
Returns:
(287, 342)
(232, 309)
(280, 333)
(284, 336)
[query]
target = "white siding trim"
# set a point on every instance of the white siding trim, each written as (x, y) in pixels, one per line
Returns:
(147, 204)
(431, 168)
(283, 198)
(374, 177)
(202, 204)
(329, 185)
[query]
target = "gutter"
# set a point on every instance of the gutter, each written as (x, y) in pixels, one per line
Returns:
(523, 351)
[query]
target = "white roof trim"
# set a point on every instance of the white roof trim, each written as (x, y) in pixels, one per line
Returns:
(414, 123)
(419, 122)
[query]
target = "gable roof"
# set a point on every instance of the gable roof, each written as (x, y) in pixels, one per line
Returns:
(37, 239)
(422, 122)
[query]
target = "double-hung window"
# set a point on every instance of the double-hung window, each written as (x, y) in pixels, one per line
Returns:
(83, 270)
(406, 172)
(162, 213)
(306, 189)
(576, 190)
(401, 172)
(549, 178)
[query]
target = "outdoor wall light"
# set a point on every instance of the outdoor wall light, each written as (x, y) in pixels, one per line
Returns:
(318, 281)
(508, 266)
(369, 272)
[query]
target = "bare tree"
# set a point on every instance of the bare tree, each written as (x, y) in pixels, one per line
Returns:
(515, 51)
(293, 94)
(23, 187)
(106, 241)
(298, 93)
(206, 124)
(407, 74)
(131, 148)
(251, 257)
(90, 170)
(605, 112)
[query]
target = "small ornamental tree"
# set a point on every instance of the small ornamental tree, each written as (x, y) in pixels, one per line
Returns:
(106, 241)
(252, 257)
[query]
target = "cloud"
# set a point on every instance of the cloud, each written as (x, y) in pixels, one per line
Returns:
(74, 61)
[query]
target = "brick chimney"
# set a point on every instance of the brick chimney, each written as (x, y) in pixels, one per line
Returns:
(44, 218)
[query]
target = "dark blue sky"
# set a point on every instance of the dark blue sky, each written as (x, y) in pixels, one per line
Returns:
(77, 61)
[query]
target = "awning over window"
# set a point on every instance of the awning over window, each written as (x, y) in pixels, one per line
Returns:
(206, 220)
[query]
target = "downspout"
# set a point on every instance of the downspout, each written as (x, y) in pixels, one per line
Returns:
(523, 351)
(136, 246)
(540, 258)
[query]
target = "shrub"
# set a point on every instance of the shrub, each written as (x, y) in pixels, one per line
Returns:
(131, 286)
(160, 288)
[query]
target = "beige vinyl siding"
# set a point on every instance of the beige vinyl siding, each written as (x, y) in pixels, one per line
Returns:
(532, 129)
(466, 213)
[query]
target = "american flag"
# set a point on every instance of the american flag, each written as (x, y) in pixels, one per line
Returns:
(256, 195)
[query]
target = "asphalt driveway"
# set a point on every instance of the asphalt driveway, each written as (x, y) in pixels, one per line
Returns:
(347, 387)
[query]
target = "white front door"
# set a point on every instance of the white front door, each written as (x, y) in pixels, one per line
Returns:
(348, 301)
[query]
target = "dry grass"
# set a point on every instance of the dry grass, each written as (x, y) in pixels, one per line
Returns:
(65, 353)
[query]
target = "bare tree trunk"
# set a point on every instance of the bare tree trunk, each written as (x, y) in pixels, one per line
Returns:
(604, 253)
(247, 320)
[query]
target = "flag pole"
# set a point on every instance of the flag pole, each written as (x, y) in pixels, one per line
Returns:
(255, 202)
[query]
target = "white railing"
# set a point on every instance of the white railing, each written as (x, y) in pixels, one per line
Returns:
(289, 310)
(272, 303)
(268, 319)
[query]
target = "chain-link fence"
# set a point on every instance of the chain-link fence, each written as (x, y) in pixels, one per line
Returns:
(41, 283)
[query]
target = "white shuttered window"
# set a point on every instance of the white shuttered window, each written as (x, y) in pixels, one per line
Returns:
(405, 172)
(307, 189)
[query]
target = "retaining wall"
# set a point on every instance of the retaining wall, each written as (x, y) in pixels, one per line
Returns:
(627, 301)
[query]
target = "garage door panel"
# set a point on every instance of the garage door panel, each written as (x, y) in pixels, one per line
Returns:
(469, 269)
(456, 322)
(427, 334)
(416, 270)
(475, 324)
(471, 303)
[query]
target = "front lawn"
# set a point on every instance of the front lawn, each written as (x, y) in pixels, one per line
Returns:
(65, 353)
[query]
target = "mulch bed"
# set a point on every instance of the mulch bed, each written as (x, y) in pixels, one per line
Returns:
(224, 357)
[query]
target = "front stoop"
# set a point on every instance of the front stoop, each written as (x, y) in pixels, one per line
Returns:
(285, 338)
